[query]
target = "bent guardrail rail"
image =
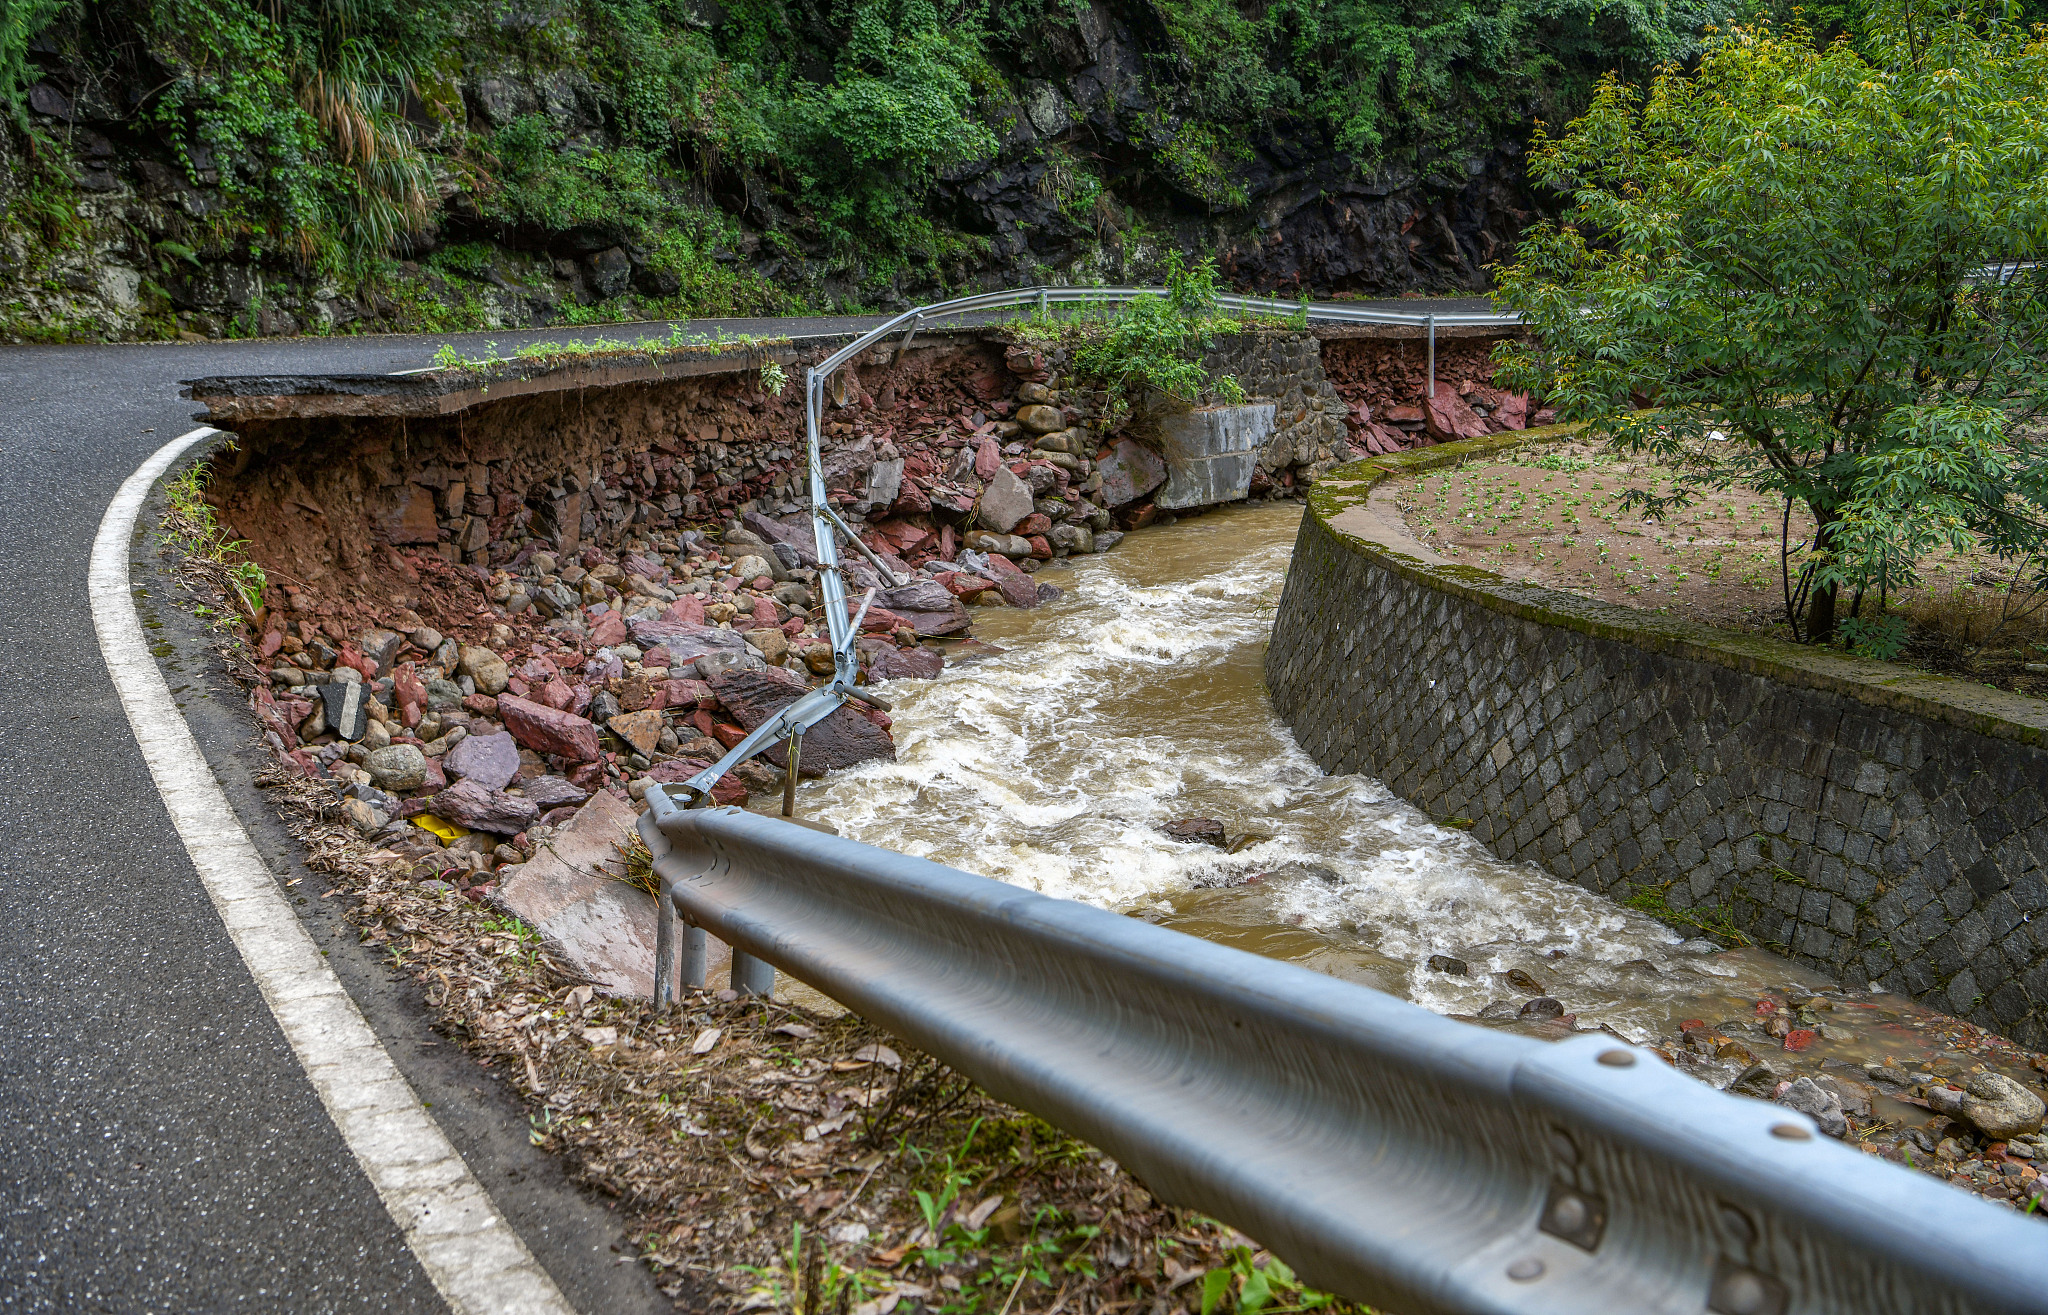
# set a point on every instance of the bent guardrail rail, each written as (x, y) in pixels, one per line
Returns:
(792, 721)
(1387, 1153)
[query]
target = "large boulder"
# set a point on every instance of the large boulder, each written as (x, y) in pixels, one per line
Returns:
(569, 891)
(550, 730)
(1005, 501)
(1993, 1103)
(1448, 418)
(841, 740)
(1129, 472)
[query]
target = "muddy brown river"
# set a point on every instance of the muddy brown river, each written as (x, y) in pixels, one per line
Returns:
(1137, 699)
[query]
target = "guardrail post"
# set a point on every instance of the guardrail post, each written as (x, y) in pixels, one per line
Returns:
(1432, 355)
(664, 944)
(1043, 301)
(751, 976)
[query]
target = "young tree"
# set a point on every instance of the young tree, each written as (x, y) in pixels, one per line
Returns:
(1789, 245)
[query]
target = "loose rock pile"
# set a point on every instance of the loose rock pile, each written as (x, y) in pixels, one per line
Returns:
(549, 643)
(1388, 393)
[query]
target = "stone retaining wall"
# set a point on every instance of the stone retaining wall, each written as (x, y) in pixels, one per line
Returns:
(1869, 821)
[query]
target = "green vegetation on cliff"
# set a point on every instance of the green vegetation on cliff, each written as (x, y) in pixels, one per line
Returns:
(445, 163)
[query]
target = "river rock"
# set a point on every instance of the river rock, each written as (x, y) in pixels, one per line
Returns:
(642, 730)
(1523, 982)
(550, 730)
(1542, 1006)
(489, 760)
(1072, 539)
(774, 644)
(928, 605)
(486, 668)
(1017, 588)
(1444, 963)
(1005, 545)
(905, 664)
(397, 767)
(1993, 1103)
(472, 804)
(843, 739)
(1005, 501)
(1821, 1105)
(1197, 830)
(602, 927)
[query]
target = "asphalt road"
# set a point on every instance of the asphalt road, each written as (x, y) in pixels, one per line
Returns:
(163, 1149)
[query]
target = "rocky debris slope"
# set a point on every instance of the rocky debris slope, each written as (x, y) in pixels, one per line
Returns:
(1385, 385)
(482, 641)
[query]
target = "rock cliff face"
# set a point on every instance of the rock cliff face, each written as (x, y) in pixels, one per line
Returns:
(116, 226)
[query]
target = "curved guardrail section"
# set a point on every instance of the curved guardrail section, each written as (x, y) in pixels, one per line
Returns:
(1389, 1154)
(792, 721)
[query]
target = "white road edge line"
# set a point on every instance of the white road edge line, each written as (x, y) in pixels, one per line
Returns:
(475, 1259)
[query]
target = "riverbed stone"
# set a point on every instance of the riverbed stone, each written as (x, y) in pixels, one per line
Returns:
(397, 767)
(486, 668)
(344, 708)
(1197, 830)
(1992, 1103)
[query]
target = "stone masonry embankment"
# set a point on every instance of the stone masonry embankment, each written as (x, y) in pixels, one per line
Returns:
(1875, 823)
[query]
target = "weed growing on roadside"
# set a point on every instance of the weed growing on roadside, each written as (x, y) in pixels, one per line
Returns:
(446, 357)
(189, 524)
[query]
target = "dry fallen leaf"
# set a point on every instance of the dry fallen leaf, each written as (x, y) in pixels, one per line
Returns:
(980, 1213)
(601, 1036)
(877, 1053)
(578, 998)
(705, 1040)
(797, 1030)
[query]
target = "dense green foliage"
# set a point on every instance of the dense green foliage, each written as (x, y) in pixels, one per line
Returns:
(1783, 246)
(338, 132)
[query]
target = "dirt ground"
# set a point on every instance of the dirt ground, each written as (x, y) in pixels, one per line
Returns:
(1553, 516)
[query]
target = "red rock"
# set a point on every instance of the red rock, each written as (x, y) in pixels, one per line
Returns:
(687, 610)
(841, 740)
(905, 664)
(1041, 548)
(1799, 1038)
(609, 630)
(481, 704)
(701, 719)
(557, 694)
(727, 734)
(1403, 414)
(728, 791)
(1035, 524)
(267, 646)
(437, 778)
(880, 621)
(1449, 418)
(962, 585)
(1544, 417)
(1017, 588)
(480, 808)
(589, 775)
(988, 458)
(1513, 411)
(684, 693)
(550, 730)
(764, 613)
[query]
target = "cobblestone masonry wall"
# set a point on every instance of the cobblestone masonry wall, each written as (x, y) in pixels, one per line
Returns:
(1872, 823)
(1286, 368)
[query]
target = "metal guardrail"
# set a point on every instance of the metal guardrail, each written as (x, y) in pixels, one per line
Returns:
(1389, 1154)
(791, 722)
